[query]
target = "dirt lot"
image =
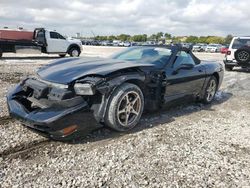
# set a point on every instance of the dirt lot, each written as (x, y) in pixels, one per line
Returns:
(186, 146)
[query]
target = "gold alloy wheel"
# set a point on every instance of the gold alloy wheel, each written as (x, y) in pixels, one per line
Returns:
(129, 108)
(211, 90)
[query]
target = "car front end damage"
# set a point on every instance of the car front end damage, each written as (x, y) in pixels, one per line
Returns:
(53, 110)
(62, 112)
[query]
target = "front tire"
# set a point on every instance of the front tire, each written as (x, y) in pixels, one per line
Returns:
(125, 107)
(74, 52)
(62, 55)
(1, 53)
(211, 90)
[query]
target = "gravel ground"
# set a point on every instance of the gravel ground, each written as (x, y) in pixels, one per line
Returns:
(193, 145)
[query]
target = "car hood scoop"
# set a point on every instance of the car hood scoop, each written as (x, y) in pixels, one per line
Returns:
(67, 70)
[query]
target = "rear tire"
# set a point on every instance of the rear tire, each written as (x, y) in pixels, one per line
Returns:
(125, 107)
(62, 55)
(211, 90)
(242, 55)
(74, 52)
(1, 53)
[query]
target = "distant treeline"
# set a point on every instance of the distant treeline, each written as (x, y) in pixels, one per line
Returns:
(160, 36)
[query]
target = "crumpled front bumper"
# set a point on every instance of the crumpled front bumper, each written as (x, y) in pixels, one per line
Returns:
(52, 121)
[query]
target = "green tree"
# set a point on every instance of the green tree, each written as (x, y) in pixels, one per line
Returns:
(153, 37)
(123, 37)
(176, 39)
(192, 39)
(228, 39)
(144, 37)
(215, 39)
(139, 38)
(167, 36)
(112, 37)
(159, 35)
(101, 38)
(202, 39)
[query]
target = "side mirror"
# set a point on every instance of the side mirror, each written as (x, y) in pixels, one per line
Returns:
(184, 67)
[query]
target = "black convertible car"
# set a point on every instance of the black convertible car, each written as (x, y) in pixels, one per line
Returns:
(72, 96)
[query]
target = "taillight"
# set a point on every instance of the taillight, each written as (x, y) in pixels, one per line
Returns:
(228, 52)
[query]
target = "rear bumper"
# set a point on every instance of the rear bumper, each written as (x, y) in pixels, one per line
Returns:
(235, 63)
(230, 62)
(51, 122)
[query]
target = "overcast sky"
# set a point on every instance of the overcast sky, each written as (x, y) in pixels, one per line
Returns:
(106, 17)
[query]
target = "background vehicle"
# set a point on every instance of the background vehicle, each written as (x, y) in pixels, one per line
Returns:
(116, 42)
(107, 43)
(42, 40)
(91, 42)
(186, 45)
(126, 44)
(112, 91)
(213, 48)
(236, 43)
(224, 49)
(121, 43)
(199, 47)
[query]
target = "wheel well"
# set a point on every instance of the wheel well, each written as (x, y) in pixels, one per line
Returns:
(138, 83)
(216, 75)
(73, 46)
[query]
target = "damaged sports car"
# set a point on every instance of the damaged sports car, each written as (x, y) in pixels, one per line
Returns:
(72, 96)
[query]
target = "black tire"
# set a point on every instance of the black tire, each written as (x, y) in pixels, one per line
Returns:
(1, 53)
(125, 107)
(229, 68)
(242, 55)
(62, 55)
(74, 52)
(210, 94)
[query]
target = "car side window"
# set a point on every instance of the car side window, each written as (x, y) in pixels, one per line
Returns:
(60, 36)
(183, 57)
(53, 35)
(238, 43)
(40, 34)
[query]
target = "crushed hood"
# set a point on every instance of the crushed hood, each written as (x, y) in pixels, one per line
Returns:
(67, 70)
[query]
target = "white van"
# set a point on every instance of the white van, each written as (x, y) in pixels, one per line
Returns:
(236, 43)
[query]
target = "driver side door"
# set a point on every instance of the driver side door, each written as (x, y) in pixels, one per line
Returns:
(56, 43)
(184, 78)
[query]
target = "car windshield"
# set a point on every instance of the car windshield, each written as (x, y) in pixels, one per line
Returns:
(238, 43)
(144, 54)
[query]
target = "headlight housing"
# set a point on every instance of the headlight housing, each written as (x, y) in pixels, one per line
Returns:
(52, 84)
(84, 89)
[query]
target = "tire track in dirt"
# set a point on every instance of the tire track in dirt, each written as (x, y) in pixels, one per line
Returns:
(5, 120)
(23, 149)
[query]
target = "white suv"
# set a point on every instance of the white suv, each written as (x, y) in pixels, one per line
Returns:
(236, 43)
